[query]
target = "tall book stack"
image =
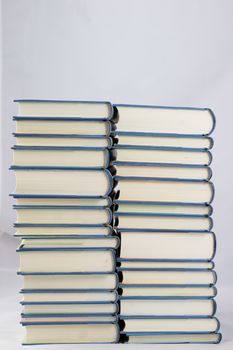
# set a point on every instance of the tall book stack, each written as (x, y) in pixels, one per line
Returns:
(163, 218)
(64, 185)
(100, 264)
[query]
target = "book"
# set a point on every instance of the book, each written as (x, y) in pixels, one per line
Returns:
(64, 215)
(169, 277)
(70, 281)
(169, 246)
(63, 156)
(60, 260)
(165, 190)
(37, 319)
(150, 264)
(172, 338)
(99, 110)
(182, 324)
(168, 307)
(61, 200)
(49, 125)
(74, 333)
(79, 296)
(142, 221)
(163, 140)
(56, 308)
(162, 170)
(167, 155)
(162, 292)
(63, 140)
(160, 208)
(87, 242)
(54, 230)
(83, 183)
(174, 120)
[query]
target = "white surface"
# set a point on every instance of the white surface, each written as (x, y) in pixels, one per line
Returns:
(161, 52)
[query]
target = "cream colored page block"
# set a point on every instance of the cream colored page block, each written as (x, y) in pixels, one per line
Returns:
(64, 109)
(165, 191)
(92, 183)
(158, 209)
(62, 141)
(63, 201)
(171, 325)
(199, 142)
(63, 261)
(63, 216)
(74, 297)
(168, 277)
(164, 223)
(106, 281)
(167, 307)
(164, 120)
(72, 318)
(163, 156)
(164, 172)
(62, 127)
(67, 158)
(142, 245)
(109, 242)
(175, 338)
(86, 333)
(38, 231)
(170, 292)
(166, 265)
(109, 308)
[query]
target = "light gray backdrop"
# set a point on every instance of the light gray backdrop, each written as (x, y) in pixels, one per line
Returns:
(161, 52)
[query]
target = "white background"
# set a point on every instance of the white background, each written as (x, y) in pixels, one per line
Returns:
(161, 52)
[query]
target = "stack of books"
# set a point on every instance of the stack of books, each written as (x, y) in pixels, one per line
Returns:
(64, 189)
(113, 210)
(163, 218)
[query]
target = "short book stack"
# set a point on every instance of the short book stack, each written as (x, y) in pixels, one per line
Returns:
(64, 186)
(163, 218)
